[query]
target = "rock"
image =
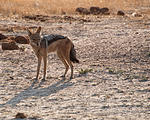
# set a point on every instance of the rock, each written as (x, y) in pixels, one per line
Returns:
(29, 17)
(2, 36)
(11, 45)
(11, 38)
(20, 116)
(121, 13)
(95, 10)
(104, 10)
(105, 107)
(136, 14)
(83, 11)
(38, 17)
(68, 18)
(6, 40)
(21, 40)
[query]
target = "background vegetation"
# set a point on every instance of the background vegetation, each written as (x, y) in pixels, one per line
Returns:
(24, 7)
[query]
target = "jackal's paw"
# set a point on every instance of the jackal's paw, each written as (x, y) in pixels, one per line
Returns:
(62, 76)
(43, 79)
(35, 79)
(71, 78)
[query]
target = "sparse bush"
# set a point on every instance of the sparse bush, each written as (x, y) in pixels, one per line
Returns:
(85, 71)
(114, 71)
(111, 71)
(149, 54)
(143, 79)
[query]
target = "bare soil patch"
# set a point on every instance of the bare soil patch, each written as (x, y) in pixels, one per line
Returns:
(112, 81)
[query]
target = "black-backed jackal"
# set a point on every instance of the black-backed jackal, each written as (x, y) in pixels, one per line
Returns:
(42, 45)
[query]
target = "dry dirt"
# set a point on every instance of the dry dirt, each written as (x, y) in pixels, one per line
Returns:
(112, 81)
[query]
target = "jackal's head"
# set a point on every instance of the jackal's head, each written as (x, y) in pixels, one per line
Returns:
(35, 38)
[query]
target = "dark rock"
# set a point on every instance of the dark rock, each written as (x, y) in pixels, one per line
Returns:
(20, 116)
(121, 13)
(83, 11)
(101, 11)
(104, 10)
(2, 36)
(21, 40)
(95, 10)
(9, 46)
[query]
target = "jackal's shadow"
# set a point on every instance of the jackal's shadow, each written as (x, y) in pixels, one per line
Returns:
(38, 92)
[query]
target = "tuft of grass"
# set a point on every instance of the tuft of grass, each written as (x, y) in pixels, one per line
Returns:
(22, 48)
(149, 54)
(85, 71)
(140, 78)
(135, 77)
(2, 74)
(114, 71)
(111, 71)
(143, 79)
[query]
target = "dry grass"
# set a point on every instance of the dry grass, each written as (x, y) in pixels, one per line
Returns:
(26, 7)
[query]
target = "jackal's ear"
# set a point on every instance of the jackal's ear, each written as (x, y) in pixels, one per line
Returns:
(38, 30)
(29, 32)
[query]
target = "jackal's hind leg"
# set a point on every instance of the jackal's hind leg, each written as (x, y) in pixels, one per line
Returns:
(64, 62)
(71, 66)
(69, 63)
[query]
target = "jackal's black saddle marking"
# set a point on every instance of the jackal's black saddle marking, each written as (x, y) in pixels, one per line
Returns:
(49, 39)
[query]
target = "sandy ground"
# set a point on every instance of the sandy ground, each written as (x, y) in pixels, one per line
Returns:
(112, 81)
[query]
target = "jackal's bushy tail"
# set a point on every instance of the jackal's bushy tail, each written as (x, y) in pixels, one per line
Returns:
(73, 55)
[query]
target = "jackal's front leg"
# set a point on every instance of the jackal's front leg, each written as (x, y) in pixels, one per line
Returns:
(39, 65)
(45, 66)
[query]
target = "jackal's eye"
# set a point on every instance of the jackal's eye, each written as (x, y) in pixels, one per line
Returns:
(34, 39)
